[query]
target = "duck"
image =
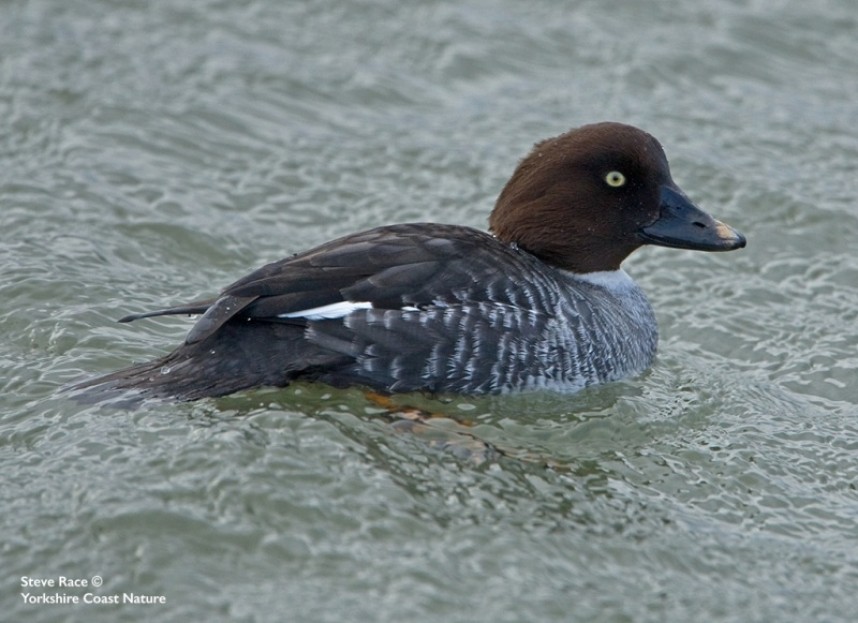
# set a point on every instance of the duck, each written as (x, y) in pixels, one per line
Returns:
(540, 301)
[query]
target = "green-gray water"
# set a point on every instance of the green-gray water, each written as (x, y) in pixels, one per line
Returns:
(153, 152)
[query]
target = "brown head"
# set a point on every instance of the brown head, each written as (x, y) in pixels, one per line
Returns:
(584, 200)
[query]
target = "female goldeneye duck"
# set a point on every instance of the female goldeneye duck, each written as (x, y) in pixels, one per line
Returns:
(540, 303)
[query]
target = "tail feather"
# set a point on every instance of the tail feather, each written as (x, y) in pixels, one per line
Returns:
(189, 309)
(239, 356)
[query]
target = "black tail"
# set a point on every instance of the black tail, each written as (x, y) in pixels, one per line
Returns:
(239, 356)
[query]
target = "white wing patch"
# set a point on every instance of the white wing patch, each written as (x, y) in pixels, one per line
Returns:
(327, 312)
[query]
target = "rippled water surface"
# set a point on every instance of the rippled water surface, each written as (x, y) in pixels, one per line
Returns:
(153, 152)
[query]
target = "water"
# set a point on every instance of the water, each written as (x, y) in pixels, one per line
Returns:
(151, 153)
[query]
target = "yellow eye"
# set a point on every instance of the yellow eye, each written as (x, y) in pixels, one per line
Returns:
(615, 179)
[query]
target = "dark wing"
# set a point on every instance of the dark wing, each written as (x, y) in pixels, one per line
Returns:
(399, 308)
(394, 267)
